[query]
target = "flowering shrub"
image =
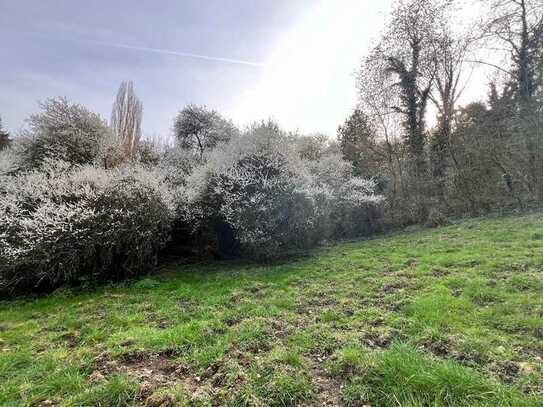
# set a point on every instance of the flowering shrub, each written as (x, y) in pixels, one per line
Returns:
(10, 159)
(177, 164)
(347, 205)
(261, 193)
(273, 199)
(260, 199)
(63, 224)
(63, 131)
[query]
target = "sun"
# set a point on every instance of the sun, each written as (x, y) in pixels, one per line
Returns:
(308, 81)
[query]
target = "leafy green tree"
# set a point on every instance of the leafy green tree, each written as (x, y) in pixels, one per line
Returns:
(356, 139)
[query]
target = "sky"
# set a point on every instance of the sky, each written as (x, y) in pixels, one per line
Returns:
(291, 60)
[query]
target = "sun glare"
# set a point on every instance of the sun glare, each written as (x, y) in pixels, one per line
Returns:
(308, 82)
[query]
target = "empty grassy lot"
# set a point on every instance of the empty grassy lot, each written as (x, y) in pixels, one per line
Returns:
(442, 317)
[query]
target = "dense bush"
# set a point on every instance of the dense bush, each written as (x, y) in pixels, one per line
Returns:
(63, 224)
(76, 208)
(5, 140)
(348, 206)
(63, 131)
(261, 198)
(10, 159)
(272, 199)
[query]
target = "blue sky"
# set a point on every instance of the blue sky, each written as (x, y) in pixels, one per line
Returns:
(55, 47)
(292, 60)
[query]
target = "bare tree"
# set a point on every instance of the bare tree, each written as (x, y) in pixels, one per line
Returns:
(405, 53)
(126, 117)
(519, 25)
(377, 98)
(451, 48)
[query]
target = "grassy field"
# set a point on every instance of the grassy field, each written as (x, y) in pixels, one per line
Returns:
(442, 317)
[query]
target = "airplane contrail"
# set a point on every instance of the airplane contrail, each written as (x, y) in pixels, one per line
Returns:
(178, 53)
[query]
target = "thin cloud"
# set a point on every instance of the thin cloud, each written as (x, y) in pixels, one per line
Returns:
(178, 53)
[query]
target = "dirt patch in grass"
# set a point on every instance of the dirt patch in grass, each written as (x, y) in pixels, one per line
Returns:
(537, 354)
(152, 371)
(507, 371)
(187, 305)
(440, 272)
(70, 339)
(258, 290)
(232, 320)
(159, 322)
(279, 329)
(327, 389)
(381, 339)
(322, 299)
(445, 348)
(145, 366)
(395, 286)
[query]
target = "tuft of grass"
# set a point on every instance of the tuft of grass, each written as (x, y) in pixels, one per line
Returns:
(401, 375)
(174, 396)
(440, 309)
(286, 356)
(118, 391)
(253, 335)
(146, 284)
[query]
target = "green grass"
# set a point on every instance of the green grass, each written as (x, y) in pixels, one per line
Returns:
(442, 317)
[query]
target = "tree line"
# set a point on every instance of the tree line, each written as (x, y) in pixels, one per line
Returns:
(84, 200)
(474, 158)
